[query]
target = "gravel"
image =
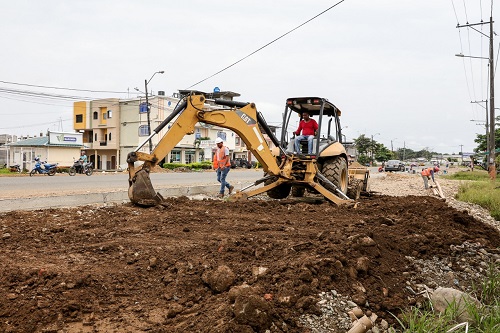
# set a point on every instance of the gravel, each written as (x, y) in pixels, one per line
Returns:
(469, 260)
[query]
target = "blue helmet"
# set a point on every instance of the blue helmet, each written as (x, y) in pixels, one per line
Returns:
(37, 159)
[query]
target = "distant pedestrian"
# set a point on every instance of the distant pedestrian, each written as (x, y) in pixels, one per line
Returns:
(427, 174)
(222, 164)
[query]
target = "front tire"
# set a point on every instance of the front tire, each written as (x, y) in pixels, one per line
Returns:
(335, 170)
(32, 172)
(279, 192)
(354, 189)
(72, 171)
(298, 191)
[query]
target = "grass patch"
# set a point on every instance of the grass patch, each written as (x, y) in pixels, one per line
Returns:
(479, 190)
(485, 315)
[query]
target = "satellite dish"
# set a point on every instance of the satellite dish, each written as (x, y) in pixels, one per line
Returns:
(216, 89)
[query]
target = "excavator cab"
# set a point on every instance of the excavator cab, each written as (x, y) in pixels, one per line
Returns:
(328, 153)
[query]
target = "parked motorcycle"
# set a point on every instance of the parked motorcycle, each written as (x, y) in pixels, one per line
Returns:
(47, 169)
(15, 168)
(80, 167)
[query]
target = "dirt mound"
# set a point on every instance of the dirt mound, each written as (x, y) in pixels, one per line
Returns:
(215, 266)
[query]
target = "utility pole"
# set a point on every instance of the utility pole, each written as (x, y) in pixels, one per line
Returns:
(462, 154)
(492, 168)
(491, 137)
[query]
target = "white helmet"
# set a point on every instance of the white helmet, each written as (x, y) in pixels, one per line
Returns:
(218, 140)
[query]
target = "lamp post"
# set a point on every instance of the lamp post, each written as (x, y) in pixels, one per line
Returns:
(373, 145)
(148, 109)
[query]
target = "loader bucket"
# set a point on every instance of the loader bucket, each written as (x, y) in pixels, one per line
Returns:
(141, 191)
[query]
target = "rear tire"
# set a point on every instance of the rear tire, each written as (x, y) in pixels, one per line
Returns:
(335, 170)
(89, 171)
(72, 171)
(279, 192)
(32, 172)
(298, 191)
(52, 172)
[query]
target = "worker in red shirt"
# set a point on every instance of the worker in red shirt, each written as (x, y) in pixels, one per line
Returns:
(309, 128)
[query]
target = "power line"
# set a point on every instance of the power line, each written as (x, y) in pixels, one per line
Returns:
(63, 88)
(266, 45)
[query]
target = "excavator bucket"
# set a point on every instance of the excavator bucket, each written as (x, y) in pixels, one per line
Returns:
(141, 191)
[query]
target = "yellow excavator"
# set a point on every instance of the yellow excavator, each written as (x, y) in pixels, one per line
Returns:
(286, 171)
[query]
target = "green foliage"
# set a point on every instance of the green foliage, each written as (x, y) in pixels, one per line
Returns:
(205, 165)
(482, 191)
(482, 140)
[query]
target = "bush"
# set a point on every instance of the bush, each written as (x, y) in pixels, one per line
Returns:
(205, 165)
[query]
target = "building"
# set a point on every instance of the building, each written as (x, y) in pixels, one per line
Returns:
(112, 128)
(56, 147)
(5, 139)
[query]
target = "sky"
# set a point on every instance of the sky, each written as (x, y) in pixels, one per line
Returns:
(390, 66)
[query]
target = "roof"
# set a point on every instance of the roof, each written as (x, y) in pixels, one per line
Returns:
(42, 141)
(312, 105)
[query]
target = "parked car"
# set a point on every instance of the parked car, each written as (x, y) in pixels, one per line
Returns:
(394, 165)
(240, 163)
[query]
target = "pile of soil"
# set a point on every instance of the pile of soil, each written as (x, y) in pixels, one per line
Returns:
(217, 266)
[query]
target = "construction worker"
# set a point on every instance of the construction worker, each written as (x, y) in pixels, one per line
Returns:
(428, 174)
(222, 165)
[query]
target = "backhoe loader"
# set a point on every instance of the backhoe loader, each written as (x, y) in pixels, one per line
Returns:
(323, 172)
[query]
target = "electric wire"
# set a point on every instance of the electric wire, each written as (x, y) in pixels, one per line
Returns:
(63, 88)
(266, 45)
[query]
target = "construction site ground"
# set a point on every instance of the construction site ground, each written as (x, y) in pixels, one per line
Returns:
(259, 265)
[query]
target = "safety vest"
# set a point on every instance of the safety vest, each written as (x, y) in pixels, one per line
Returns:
(219, 157)
(427, 172)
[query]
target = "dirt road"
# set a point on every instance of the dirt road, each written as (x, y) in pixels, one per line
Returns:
(217, 266)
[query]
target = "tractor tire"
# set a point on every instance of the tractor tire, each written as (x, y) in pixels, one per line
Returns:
(298, 191)
(354, 189)
(335, 170)
(279, 192)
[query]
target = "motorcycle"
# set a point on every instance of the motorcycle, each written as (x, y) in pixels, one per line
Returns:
(15, 168)
(80, 167)
(48, 168)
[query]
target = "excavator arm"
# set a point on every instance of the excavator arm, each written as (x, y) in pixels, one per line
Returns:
(242, 118)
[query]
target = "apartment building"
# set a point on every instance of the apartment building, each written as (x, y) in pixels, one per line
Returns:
(112, 128)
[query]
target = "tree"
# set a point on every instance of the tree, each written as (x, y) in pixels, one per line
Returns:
(482, 140)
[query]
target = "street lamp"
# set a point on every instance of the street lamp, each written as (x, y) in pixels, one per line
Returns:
(373, 145)
(148, 109)
(466, 56)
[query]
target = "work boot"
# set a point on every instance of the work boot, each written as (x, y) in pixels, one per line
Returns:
(220, 195)
(231, 188)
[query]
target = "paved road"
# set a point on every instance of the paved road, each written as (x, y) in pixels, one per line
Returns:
(21, 192)
(42, 191)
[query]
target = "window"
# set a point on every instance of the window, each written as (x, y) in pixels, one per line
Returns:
(175, 156)
(79, 118)
(109, 136)
(221, 135)
(237, 141)
(110, 114)
(190, 156)
(143, 130)
(95, 137)
(95, 115)
(104, 116)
